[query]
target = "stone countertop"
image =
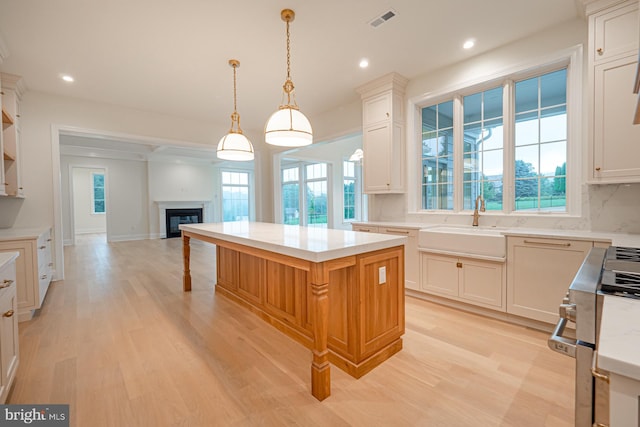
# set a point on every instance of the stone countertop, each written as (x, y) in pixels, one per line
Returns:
(21, 233)
(619, 342)
(616, 239)
(308, 243)
(7, 257)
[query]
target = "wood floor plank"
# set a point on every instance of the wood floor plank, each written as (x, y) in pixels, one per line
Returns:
(123, 345)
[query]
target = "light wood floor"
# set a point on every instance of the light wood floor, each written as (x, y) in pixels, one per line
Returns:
(121, 343)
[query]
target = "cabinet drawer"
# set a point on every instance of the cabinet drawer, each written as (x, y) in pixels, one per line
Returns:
(377, 109)
(365, 228)
(8, 278)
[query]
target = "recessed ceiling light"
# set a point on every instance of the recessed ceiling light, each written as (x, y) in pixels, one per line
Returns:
(469, 44)
(67, 78)
(364, 63)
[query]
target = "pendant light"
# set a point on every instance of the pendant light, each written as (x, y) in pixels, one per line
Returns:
(234, 145)
(288, 127)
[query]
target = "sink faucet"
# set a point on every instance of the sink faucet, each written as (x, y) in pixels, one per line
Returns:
(476, 215)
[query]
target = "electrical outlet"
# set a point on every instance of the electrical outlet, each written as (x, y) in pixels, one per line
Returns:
(382, 275)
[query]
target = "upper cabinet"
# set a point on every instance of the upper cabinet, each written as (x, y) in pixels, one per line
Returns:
(10, 170)
(383, 134)
(613, 63)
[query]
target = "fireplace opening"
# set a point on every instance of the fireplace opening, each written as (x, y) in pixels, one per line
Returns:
(175, 217)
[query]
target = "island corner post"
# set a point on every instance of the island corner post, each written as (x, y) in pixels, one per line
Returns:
(260, 279)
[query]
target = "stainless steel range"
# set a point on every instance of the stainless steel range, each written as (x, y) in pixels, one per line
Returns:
(614, 271)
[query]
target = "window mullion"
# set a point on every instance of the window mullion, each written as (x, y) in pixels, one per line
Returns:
(458, 154)
(508, 178)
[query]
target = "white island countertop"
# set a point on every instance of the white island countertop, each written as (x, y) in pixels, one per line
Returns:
(309, 243)
(619, 343)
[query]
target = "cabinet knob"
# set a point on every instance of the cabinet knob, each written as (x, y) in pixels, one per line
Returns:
(48, 240)
(8, 313)
(44, 276)
(6, 283)
(598, 168)
(6, 183)
(20, 188)
(387, 114)
(600, 51)
(459, 264)
(42, 247)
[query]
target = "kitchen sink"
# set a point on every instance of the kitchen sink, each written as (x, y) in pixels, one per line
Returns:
(463, 240)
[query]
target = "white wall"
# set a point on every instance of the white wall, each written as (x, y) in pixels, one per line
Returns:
(126, 191)
(84, 220)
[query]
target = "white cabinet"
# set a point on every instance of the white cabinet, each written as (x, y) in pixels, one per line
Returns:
(539, 272)
(470, 280)
(10, 171)
(383, 134)
(411, 260)
(9, 348)
(34, 266)
(613, 59)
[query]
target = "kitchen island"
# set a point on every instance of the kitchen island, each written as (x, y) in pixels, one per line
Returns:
(339, 293)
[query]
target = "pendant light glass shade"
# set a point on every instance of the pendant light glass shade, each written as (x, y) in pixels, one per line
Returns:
(234, 145)
(288, 127)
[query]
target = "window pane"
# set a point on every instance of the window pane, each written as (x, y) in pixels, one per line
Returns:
(492, 164)
(493, 135)
(526, 161)
(492, 103)
(98, 206)
(472, 108)
(552, 157)
(553, 124)
(98, 180)
(445, 115)
(235, 196)
(527, 128)
(290, 204)
(553, 88)
(317, 204)
(527, 95)
(526, 194)
(98, 193)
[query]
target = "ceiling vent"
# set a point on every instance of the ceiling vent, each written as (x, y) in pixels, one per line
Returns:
(382, 18)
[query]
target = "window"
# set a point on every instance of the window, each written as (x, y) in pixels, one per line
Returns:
(97, 196)
(541, 142)
(316, 196)
(235, 196)
(305, 199)
(437, 156)
(487, 133)
(290, 196)
(349, 190)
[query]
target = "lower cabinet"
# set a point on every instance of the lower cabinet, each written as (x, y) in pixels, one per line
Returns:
(411, 256)
(540, 271)
(8, 328)
(34, 267)
(479, 282)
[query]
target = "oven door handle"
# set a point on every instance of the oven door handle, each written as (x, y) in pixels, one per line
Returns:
(560, 344)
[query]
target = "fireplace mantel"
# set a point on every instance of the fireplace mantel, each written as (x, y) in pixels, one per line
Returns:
(163, 205)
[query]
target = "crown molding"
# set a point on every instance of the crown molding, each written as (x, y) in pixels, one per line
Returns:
(391, 81)
(11, 81)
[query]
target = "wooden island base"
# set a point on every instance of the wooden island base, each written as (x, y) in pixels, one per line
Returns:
(349, 311)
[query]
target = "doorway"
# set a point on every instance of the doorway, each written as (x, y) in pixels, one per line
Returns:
(89, 205)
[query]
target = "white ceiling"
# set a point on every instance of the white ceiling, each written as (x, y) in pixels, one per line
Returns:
(171, 56)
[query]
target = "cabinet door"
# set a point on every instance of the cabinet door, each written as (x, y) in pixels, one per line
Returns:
(377, 109)
(482, 283)
(615, 32)
(8, 334)
(439, 274)
(376, 162)
(26, 269)
(539, 272)
(616, 140)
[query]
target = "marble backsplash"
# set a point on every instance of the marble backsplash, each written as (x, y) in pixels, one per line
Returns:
(606, 208)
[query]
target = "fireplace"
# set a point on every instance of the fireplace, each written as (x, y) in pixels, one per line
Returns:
(175, 217)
